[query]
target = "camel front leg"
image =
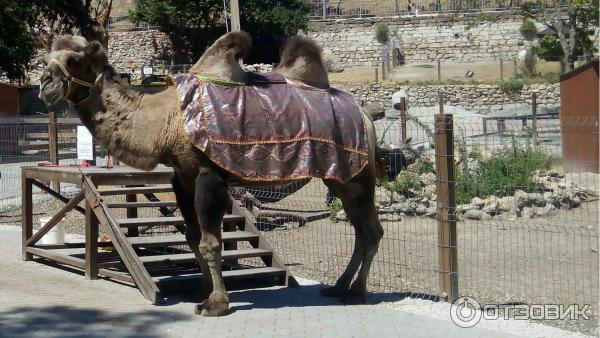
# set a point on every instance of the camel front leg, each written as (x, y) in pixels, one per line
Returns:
(211, 201)
(185, 201)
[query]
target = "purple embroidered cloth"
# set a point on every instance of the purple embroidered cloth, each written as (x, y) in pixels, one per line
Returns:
(271, 130)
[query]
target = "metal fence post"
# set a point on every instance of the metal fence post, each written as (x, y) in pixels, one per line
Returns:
(534, 118)
(376, 74)
(402, 119)
(53, 144)
(501, 70)
(446, 204)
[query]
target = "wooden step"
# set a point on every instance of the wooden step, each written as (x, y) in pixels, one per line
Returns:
(190, 257)
(153, 241)
(136, 190)
(146, 204)
(153, 221)
(230, 274)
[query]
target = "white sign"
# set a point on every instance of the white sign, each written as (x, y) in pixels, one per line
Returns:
(147, 70)
(85, 144)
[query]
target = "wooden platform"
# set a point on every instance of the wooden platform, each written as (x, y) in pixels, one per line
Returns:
(133, 253)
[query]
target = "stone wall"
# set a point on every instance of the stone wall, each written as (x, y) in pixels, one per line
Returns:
(128, 52)
(484, 99)
(459, 37)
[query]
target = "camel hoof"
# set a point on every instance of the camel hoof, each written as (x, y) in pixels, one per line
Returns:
(216, 305)
(334, 291)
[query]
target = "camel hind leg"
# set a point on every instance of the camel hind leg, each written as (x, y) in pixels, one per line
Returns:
(357, 198)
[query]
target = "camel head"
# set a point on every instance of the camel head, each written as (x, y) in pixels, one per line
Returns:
(72, 67)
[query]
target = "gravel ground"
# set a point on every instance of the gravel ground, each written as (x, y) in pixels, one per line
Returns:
(537, 261)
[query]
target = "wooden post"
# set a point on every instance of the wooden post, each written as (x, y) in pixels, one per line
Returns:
(534, 119)
(402, 119)
(376, 74)
(501, 70)
(26, 215)
(447, 251)
(53, 145)
(439, 69)
(91, 243)
(235, 16)
(132, 213)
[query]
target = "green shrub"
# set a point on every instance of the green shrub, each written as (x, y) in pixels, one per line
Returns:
(529, 66)
(528, 28)
(335, 207)
(549, 48)
(382, 33)
(501, 173)
(512, 86)
(405, 181)
(422, 166)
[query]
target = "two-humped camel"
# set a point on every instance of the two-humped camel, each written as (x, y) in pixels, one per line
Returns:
(143, 130)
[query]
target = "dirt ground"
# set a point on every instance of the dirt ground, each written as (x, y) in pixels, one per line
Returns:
(484, 71)
(551, 260)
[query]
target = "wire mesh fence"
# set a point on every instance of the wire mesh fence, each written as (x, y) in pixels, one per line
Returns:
(333, 9)
(526, 209)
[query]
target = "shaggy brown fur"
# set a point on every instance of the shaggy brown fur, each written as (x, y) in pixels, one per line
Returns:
(144, 130)
(221, 60)
(301, 60)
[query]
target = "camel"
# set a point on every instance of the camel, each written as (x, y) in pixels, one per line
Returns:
(143, 130)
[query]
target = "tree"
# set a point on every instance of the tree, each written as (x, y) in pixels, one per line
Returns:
(573, 20)
(194, 24)
(28, 25)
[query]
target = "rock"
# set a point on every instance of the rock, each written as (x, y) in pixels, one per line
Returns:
(340, 216)
(547, 210)
(528, 212)
(431, 211)
(390, 218)
(521, 199)
(478, 202)
(427, 179)
(575, 202)
(430, 191)
(395, 197)
(421, 210)
(490, 205)
(476, 214)
(506, 216)
(382, 198)
(537, 199)
(507, 204)
(462, 208)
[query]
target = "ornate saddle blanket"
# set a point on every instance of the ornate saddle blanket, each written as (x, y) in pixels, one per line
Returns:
(272, 130)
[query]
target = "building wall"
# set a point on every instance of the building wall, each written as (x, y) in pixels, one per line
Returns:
(580, 117)
(459, 37)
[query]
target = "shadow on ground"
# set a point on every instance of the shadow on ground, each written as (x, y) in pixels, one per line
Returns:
(66, 321)
(307, 295)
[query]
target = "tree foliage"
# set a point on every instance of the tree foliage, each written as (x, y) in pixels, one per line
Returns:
(28, 25)
(573, 20)
(194, 24)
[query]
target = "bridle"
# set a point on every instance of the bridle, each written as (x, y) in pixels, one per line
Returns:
(71, 79)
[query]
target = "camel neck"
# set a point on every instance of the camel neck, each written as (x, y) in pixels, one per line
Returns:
(119, 118)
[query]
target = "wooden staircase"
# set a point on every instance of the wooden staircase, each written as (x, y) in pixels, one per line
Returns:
(158, 262)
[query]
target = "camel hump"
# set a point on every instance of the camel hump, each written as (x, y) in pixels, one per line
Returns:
(301, 60)
(234, 43)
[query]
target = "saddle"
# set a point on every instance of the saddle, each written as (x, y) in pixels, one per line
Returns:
(269, 129)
